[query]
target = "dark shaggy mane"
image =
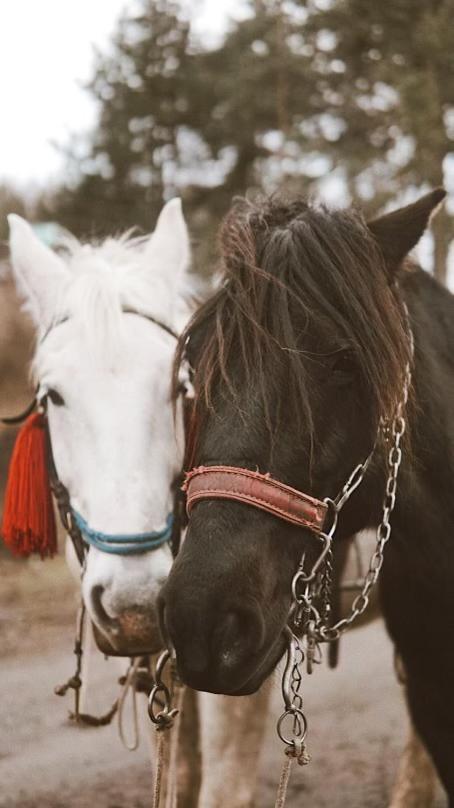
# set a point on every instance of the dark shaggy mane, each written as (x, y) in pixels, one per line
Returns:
(285, 263)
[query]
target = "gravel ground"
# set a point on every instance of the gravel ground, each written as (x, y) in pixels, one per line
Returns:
(357, 723)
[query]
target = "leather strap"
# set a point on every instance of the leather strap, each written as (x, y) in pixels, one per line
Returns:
(258, 490)
(19, 419)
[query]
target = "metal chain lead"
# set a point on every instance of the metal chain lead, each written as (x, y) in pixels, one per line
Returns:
(295, 746)
(361, 602)
(304, 608)
(310, 611)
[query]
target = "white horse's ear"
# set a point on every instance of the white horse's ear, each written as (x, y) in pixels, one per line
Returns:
(168, 250)
(39, 272)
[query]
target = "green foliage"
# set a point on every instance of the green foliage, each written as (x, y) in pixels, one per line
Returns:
(385, 73)
(255, 84)
(391, 67)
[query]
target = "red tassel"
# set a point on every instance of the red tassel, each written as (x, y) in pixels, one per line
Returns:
(28, 516)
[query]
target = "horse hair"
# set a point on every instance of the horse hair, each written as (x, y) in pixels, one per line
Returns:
(285, 263)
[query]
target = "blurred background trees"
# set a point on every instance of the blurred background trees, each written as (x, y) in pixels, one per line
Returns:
(11, 201)
(393, 96)
(348, 99)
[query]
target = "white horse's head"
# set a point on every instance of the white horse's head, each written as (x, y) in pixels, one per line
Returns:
(103, 361)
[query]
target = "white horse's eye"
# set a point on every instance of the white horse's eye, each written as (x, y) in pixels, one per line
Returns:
(55, 397)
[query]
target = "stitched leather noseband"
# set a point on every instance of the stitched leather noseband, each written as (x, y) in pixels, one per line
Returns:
(258, 490)
(264, 492)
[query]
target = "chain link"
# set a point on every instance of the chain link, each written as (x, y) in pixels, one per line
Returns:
(393, 434)
(294, 737)
(326, 586)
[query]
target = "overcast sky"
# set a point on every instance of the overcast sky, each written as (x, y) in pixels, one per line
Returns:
(46, 54)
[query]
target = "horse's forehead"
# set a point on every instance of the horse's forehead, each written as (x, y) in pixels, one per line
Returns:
(105, 257)
(138, 348)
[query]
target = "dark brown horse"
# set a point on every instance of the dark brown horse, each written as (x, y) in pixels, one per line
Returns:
(298, 359)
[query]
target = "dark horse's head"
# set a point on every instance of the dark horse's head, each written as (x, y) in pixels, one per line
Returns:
(297, 357)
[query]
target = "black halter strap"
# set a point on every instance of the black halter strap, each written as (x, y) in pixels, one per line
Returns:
(18, 419)
(149, 317)
(143, 314)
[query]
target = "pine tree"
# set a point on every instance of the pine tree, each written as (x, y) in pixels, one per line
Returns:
(174, 117)
(386, 80)
(140, 90)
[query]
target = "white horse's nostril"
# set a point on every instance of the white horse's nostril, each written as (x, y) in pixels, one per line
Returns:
(104, 621)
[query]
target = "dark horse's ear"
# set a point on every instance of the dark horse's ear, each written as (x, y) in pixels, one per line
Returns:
(398, 232)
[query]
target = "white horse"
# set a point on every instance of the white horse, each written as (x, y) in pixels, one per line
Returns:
(104, 316)
(104, 369)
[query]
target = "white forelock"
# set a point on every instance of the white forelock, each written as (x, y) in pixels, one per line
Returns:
(114, 274)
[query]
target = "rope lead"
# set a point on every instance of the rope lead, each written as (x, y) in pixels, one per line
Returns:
(295, 751)
(162, 742)
(283, 782)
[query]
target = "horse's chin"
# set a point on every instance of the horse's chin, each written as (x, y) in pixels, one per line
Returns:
(256, 679)
(264, 670)
(123, 646)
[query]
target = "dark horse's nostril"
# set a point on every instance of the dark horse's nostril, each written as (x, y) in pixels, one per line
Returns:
(104, 620)
(240, 633)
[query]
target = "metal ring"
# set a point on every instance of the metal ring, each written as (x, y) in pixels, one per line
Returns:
(295, 712)
(300, 577)
(159, 717)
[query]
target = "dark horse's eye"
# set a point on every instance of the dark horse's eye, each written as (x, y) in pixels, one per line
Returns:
(343, 365)
(55, 397)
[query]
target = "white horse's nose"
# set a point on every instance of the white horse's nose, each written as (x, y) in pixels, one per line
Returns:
(133, 630)
(103, 620)
(120, 594)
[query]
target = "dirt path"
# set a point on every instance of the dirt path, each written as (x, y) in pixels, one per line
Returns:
(358, 728)
(44, 759)
(357, 719)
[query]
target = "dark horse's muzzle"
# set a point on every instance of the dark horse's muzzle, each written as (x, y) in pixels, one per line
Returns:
(225, 640)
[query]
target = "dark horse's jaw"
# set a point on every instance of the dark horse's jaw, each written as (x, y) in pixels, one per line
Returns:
(209, 682)
(267, 667)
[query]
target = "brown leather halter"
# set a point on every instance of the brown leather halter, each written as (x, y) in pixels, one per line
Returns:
(258, 490)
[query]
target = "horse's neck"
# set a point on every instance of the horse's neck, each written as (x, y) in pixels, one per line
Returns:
(426, 486)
